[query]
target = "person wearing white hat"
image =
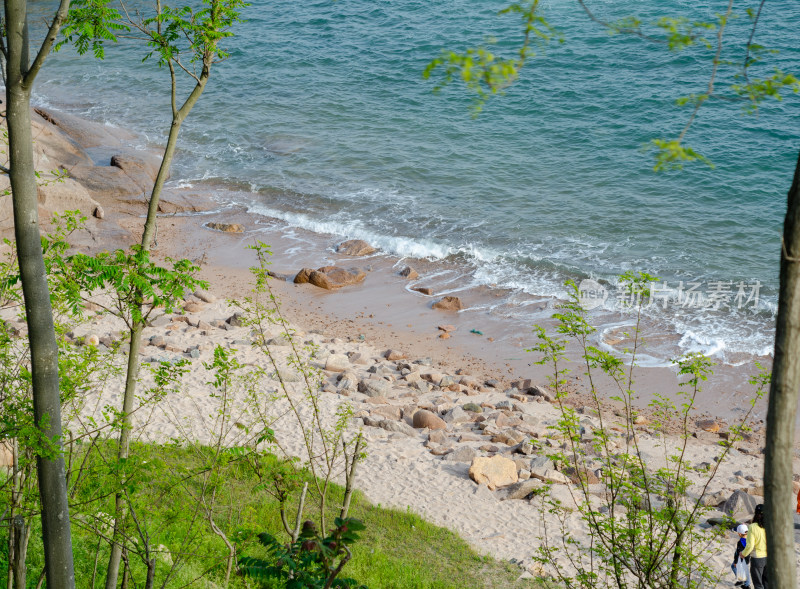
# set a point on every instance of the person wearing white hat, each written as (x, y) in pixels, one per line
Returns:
(757, 546)
(741, 544)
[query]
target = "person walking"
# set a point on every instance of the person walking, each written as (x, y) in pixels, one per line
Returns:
(757, 547)
(739, 560)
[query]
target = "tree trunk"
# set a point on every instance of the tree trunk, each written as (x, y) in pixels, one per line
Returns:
(779, 500)
(41, 333)
(151, 574)
(21, 533)
(122, 452)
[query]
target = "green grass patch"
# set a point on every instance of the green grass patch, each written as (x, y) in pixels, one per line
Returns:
(398, 549)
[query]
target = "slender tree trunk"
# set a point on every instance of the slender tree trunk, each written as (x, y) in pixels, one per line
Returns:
(148, 235)
(21, 534)
(779, 500)
(122, 452)
(41, 332)
(151, 574)
(163, 173)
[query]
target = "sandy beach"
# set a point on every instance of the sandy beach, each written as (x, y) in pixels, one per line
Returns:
(381, 351)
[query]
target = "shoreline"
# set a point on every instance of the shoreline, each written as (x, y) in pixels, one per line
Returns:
(405, 467)
(383, 308)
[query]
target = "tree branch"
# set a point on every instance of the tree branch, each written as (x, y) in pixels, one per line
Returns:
(47, 44)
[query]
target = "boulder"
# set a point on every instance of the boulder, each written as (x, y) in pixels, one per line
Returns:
(709, 425)
(424, 290)
(504, 420)
(400, 427)
(449, 304)
(193, 306)
(226, 227)
(54, 144)
(581, 473)
(302, 276)
(65, 195)
(495, 472)
(740, 505)
(457, 415)
(393, 355)
(389, 412)
(373, 387)
(437, 436)
(549, 475)
(104, 181)
(355, 247)
(462, 454)
(142, 171)
(337, 363)
(409, 272)
(236, 320)
(83, 132)
(537, 391)
(332, 277)
(425, 419)
(519, 490)
(714, 499)
(205, 296)
(543, 462)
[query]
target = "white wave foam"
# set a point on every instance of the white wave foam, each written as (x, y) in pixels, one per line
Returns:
(693, 343)
(399, 246)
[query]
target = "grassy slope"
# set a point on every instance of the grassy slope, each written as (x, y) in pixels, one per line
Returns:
(397, 550)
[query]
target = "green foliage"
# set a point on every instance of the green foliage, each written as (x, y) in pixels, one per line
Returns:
(643, 529)
(397, 550)
(132, 277)
(681, 32)
(197, 32)
(672, 154)
(311, 561)
(90, 24)
(481, 70)
(758, 90)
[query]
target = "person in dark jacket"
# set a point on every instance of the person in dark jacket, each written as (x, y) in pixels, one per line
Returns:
(740, 545)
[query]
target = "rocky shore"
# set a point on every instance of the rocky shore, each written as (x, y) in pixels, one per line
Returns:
(456, 440)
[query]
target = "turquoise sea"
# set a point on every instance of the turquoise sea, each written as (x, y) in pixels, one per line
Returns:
(321, 118)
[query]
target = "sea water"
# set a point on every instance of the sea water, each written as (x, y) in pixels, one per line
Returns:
(321, 118)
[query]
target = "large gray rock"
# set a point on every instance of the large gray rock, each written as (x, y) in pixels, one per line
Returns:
(372, 387)
(337, 363)
(462, 454)
(104, 181)
(397, 426)
(542, 462)
(457, 415)
(519, 490)
(549, 476)
(389, 412)
(142, 171)
(740, 505)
